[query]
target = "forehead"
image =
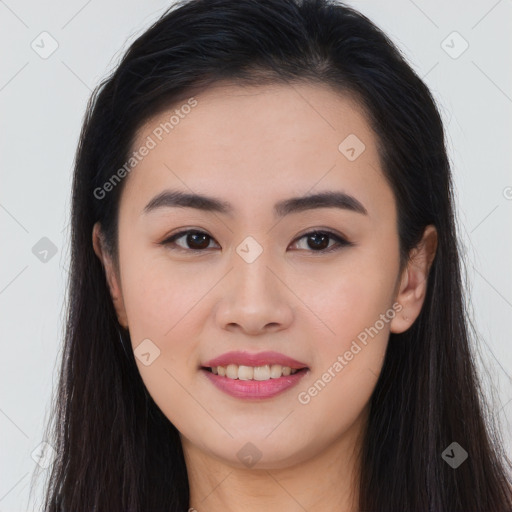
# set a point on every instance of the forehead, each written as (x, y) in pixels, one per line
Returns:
(254, 141)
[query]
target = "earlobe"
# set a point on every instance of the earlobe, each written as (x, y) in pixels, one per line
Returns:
(413, 284)
(110, 275)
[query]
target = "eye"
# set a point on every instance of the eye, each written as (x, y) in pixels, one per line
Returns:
(318, 241)
(197, 241)
(194, 240)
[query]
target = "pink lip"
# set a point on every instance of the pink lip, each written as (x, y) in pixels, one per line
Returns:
(258, 359)
(254, 389)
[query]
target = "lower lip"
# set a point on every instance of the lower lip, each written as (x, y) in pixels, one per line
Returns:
(255, 389)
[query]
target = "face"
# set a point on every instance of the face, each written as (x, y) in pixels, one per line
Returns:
(315, 281)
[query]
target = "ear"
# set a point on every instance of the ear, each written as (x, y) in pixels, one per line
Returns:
(112, 277)
(413, 282)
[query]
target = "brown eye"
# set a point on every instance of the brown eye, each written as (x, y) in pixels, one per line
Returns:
(193, 240)
(318, 241)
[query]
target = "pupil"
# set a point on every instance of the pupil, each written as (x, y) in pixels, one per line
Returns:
(192, 242)
(322, 244)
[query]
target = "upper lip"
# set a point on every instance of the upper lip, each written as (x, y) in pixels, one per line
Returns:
(257, 359)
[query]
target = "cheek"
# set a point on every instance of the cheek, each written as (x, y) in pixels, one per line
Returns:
(357, 306)
(163, 305)
(351, 296)
(358, 314)
(349, 361)
(159, 297)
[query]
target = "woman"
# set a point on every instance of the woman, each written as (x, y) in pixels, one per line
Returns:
(265, 304)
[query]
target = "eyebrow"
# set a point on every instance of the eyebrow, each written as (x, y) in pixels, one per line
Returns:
(328, 199)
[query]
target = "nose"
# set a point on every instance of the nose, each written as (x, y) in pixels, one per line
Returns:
(254, 298)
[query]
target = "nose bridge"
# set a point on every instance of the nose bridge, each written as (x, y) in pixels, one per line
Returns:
(253, 297)
(251, 262)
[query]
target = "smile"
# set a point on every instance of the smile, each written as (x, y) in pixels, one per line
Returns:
(260, 375)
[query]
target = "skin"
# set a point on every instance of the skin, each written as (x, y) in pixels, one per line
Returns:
(254, 146)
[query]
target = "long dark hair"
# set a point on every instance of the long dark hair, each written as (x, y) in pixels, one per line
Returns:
(115, 449)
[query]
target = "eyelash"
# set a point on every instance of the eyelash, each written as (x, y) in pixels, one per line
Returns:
(341, 242)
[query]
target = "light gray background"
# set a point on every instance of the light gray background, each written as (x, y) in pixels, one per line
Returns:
(43, 101)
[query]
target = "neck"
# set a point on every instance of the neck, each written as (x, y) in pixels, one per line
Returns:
(326, 481)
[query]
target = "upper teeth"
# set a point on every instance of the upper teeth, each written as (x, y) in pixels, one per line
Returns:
(234, 371)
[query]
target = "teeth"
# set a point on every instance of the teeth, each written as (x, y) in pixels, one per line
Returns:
(276, 371)
(266, 372)
(245, 372)
(262, 372)
(232, 371)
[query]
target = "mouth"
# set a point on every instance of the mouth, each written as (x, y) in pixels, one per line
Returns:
(247, 375)
(253, 382)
